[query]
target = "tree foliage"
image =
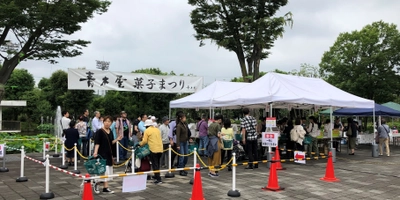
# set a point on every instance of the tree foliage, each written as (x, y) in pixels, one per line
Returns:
(20, 81)
(248, 28)
(35, 29)
(365, 62)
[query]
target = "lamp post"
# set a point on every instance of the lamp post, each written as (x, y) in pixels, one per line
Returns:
(103, 65)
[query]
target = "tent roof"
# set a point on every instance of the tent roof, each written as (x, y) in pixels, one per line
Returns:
(326, 111)
(379, 111)
(204, 98)
(392, 105)
(291, 91)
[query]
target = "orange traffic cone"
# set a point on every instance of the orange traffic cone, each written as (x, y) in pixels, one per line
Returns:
(197, 191)
(330, 173)
(273, 178)
(278, 157)
(87, 189)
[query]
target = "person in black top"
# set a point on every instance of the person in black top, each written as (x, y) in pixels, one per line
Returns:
(135, 130)
(105, 146)
(86, 116)
(72, 136)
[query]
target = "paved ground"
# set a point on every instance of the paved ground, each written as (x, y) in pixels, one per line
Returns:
(361, 177)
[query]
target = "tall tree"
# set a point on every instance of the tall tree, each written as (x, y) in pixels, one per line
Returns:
(59, 86)
(245, 27)
(20, 81)
(366, 62)
(35, 29)
(307, 70)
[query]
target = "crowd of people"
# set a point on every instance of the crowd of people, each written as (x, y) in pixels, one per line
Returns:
(215, 139)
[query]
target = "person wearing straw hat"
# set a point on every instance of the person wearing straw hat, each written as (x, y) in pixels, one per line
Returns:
(152, 137)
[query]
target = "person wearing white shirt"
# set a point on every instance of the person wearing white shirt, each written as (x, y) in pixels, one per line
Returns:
(65, 120)
(164, 129)
(96, 123)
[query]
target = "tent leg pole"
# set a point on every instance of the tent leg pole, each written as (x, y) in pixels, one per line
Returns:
(169, 113)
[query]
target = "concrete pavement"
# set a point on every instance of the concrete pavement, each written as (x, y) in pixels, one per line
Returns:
(361, 176)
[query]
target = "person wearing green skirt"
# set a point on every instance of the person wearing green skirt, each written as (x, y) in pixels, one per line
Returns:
(227, 142)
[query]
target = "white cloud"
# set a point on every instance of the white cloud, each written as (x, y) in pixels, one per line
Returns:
(154, 33)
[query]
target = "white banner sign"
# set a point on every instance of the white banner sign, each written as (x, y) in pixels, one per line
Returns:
(2, 150)
(134, 183)
(269, 139)
(82, 79)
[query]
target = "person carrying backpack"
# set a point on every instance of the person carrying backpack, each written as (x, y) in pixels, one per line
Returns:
(122, 127)
(383, 134)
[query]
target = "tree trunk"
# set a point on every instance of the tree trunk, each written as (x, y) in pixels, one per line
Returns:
(256, 74)
(5, 73)
(242, 62)
(250, 66)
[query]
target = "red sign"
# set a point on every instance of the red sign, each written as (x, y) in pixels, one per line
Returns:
(299, 157)
(47, 146)
(271, 136)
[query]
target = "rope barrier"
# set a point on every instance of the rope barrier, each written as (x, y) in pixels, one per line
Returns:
(66, 149)
(56, 168)
(6, 139)
(181, 154)
(123, 146)
(12, 148)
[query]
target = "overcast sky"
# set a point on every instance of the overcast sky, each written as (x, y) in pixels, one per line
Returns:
(138, 34)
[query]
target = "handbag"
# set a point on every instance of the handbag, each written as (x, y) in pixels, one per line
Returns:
(142, 152)
(95, 165)
(349, 132)
(307, 139)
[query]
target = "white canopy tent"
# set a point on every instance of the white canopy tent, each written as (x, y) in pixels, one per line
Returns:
(205, 98)
(287, 91)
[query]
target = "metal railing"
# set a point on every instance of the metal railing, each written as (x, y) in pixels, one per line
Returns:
(14, 126)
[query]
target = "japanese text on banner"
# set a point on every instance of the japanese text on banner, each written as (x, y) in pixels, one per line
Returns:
(82, 79)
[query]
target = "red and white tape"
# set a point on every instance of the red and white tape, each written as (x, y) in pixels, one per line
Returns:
(56, 168)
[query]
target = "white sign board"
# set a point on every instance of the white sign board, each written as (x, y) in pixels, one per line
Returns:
(270, 122)
(300, 157)
(2, 150)
(269, 139)
(82, 79)
(134, 183)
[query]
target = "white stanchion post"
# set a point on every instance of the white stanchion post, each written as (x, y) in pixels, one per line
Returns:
(47, 194)
(56, 155)
(76, 171)
(22, 178)
(117, 149)
(63, 165)
(44, 151)
(90, 147)
(169, 174)
(194, 165)
(3, 149)
(234, 192)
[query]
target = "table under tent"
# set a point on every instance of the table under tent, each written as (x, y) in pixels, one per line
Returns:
(380, 111)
